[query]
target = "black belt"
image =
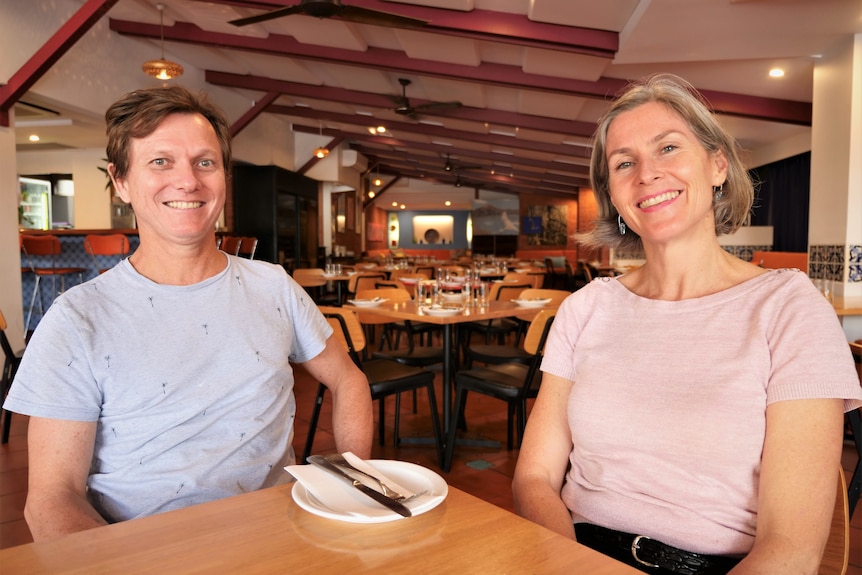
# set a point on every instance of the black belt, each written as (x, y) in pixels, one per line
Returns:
(649, 555)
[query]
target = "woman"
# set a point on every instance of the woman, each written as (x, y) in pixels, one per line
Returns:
(690, 414)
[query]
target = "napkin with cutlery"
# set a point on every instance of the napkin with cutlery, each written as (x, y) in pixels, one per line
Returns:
(338, 495)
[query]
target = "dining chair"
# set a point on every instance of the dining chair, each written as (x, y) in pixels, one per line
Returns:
(513, 382)
(836, 554)
(385, 378)
(854, 421)
(230, 245)
(500, 291)
(363, 281)
(40, 253)
(247, 247)
(11, 361)
(110, 245)
(497, 353)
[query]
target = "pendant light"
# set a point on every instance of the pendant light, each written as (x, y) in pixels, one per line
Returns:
(321, 152)
(162, 69)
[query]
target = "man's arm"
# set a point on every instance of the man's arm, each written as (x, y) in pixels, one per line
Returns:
(60, 454)
(352, 417)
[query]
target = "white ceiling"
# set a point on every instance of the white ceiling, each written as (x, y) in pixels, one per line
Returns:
(533, 77)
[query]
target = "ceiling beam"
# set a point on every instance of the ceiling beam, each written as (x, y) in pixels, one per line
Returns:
(488, 73)
(484, 25)
(510, 142)
(382, 101)
(46, 56)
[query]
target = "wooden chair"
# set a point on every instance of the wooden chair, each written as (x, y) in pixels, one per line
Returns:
(496, 353)
(110, 245)
(40, 253)
(512, 382)
(500, 291)
(385, 378)
(836, 554)
(363, 281)
(12, 359)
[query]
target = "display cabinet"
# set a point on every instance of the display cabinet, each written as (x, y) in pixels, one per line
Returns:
(280, 209)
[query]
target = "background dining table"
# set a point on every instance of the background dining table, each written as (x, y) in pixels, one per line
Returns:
(267, 532)
(410, 310)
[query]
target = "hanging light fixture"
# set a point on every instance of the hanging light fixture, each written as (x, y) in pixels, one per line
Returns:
(161, 68)
(321, 152)
(377, 181)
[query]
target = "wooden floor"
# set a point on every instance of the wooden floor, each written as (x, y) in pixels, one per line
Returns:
(484, 472)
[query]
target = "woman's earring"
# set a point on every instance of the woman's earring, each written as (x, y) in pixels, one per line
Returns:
(621, 224)
(717, 192)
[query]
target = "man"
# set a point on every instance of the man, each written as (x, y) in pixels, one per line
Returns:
(166, 381)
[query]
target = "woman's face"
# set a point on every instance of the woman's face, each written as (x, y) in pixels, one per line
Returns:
(176, 181)
(660, 176)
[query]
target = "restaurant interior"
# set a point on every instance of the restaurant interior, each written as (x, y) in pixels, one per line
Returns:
(426, 133)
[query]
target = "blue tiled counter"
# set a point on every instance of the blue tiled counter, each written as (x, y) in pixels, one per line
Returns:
(73, 255)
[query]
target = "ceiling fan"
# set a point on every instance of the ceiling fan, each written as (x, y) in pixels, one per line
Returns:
(450, 167)
(330, 8)
(403, 107)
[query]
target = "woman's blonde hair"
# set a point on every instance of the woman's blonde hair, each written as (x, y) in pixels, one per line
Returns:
(732, 206)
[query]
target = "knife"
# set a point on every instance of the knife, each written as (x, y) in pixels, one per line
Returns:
(395, 506)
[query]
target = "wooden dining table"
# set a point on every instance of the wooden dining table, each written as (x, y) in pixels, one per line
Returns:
(410, 310)
(267, 532)
(847, 305)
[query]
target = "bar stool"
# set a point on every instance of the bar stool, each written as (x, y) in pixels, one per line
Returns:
(44, 249)
(106, 245)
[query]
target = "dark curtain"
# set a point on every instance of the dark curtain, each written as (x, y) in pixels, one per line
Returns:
(782, 193)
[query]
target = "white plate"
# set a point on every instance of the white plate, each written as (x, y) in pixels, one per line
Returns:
(367, 302)
(442, 311)
(535, 302)
(408, 281)
(354, 507)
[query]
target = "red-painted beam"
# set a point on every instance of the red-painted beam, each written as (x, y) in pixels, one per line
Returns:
(485, 25)
(259, 107)
(771, 109)
(46, 56)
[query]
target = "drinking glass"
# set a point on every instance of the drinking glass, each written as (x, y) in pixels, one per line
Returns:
(482, 293)
(421, 289)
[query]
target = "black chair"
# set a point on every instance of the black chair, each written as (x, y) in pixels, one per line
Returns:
(496, 353)
(854, 420)
(499, 328)
(385, 378)
(10, 367)
(512, 382)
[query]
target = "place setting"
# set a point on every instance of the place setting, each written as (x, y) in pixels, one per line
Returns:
(532, 302)
(373, 302)
(346, 488)
(441, 310)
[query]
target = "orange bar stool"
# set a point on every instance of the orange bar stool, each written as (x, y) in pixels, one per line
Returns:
(40, 253)
(110, 245)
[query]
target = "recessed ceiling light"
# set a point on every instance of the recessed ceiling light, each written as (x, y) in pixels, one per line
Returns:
(394, 204)
(402, 206)
(447, 203)
(371, 194)
(776, 73)
(34, 137)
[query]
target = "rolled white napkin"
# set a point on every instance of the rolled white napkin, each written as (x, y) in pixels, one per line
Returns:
(368, 468)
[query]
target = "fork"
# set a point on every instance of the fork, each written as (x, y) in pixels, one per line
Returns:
(339, 460)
